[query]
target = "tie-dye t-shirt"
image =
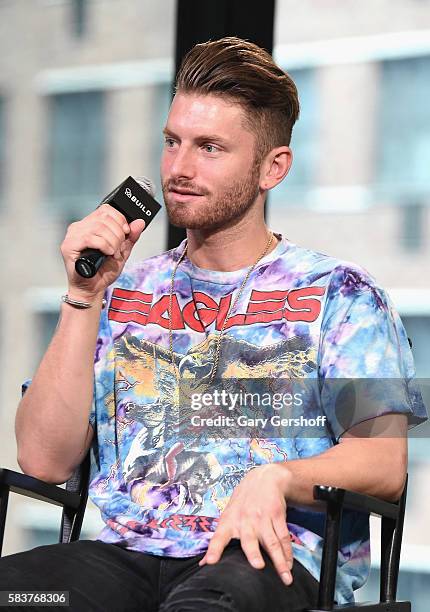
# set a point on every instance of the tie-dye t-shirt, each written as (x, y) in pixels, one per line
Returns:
(303, 315)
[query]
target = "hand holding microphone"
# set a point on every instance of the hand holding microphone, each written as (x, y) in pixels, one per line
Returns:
(132, 198)
(96, 248)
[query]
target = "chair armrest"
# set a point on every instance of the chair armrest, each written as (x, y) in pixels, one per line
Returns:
(391, 514)
(356, 501)
(38, 489)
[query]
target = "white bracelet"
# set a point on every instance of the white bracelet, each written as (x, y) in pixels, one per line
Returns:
(65, 298)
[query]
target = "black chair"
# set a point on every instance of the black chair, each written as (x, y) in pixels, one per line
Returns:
(73, 499)
(392, 518)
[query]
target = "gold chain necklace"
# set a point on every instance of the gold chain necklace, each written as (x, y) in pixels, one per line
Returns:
(231, 308)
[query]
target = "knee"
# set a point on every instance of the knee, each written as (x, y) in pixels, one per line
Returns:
(193, 599)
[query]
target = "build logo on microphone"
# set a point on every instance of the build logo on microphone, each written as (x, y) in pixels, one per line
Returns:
(138, 203)
(133, 201)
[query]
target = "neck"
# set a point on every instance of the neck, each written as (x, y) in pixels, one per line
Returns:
(226, 250)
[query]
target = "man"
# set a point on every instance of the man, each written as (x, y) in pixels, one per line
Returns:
(196, 517)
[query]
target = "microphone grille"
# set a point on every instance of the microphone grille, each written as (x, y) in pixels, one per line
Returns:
(146, 184)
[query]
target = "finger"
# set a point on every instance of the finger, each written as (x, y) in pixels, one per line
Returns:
(108, 210)
(112, 232)
(108, 237)
(119, 228)
(218, 542)
(281, 530)
(136, 229)
(274, 549)
(81, 236)
(97, 242)
(114, 218)
(251, 547)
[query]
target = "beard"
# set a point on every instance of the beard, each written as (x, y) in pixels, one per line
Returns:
(216, 210)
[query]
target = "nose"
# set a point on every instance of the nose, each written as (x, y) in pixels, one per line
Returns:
(183, 163)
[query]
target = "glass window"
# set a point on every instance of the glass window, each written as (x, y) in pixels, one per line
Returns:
(76, 152)
(304, 143)
(404, 124)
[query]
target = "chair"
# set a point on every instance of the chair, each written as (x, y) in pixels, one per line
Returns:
(392, 518)
(73, 499)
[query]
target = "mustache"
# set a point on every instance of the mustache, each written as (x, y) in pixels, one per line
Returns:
(170, 185)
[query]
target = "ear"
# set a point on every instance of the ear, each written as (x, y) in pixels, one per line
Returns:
(275, 167)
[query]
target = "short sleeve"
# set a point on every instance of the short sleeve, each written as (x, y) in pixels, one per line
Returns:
(103, 343)
(103, 370)
(366, 365)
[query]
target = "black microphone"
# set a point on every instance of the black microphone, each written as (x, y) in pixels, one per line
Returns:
(134, 199)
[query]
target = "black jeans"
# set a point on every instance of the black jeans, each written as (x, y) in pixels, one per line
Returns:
(107, 578)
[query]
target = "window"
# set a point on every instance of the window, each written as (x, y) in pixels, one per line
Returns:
(413, 305)
(44, 305)
(79, 15)
(76, 153)
(46, 324)
(404, 120)
(162, 99)
(412, 228)
(2, 146)
(418, 330)
(304, 143)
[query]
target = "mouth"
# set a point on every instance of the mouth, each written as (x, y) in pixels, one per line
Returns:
(183, 195)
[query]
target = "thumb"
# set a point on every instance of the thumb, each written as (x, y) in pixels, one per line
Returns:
(136, 228)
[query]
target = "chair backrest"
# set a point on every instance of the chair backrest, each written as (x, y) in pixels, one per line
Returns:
(71, 520)
(391, 543)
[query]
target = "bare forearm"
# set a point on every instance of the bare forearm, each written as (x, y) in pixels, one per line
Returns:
(52, 418)
(373, 467)
(52, 428)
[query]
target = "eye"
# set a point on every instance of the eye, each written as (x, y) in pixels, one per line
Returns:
(210, 148)
(169, 142)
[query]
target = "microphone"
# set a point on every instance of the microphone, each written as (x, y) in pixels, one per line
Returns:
(134, 199)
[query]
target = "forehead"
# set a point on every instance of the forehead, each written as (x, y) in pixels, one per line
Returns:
(191, 114)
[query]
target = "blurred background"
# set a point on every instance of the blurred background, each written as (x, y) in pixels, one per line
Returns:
(85, 87)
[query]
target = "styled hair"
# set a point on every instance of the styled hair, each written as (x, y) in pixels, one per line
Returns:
(240, 70)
